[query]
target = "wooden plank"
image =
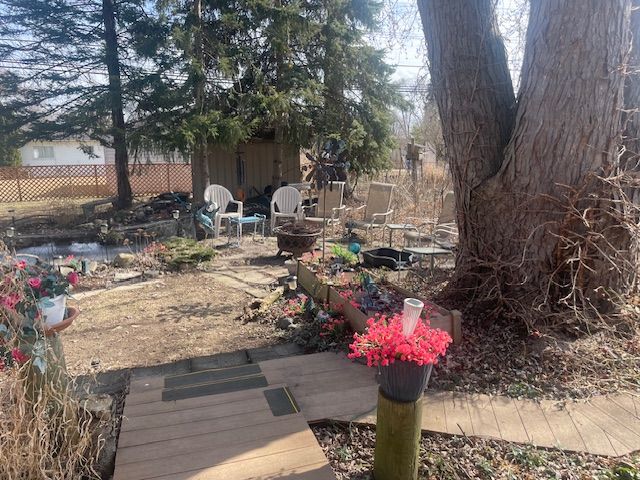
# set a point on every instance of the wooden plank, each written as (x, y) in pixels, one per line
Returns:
(433, 412)
(625, 401)
(482, 416)
(140, 437)
(562, 426)
(620, 409)
(309, 387)
(189, 403)
(317, 362)
(355, 401)
(613, 419)
(364, 395)
(594, 438)
(315, 471)
(212, 440)
(346, 370)
(535, 423)
(233, 462)
(457, 416)
(620, 448)
(365, 418)
(319, 471)
(324, 412)
(509, 421)
(636, 402)
(196, 414)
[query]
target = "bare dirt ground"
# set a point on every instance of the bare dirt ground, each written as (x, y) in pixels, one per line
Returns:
(178, 316)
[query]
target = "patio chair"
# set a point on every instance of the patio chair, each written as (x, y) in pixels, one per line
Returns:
(330, 206)
(286, 203)
(216, 196)
(443, 232)
(377, 210)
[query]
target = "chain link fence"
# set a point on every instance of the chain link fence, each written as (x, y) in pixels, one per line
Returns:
(22, 184)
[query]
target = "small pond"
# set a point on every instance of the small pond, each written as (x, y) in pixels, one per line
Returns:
(89, 250)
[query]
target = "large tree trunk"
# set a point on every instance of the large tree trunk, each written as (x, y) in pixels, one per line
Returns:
(535, 220)
(629, 171)
(200, 178)
(117, 115)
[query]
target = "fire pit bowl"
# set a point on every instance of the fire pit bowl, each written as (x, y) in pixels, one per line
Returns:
(297, 237)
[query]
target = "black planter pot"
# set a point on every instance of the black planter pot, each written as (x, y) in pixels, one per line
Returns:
(404, 381)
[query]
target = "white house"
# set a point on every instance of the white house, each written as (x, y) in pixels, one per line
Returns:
(62, 152)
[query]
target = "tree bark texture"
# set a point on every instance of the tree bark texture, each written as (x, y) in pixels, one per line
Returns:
(200, 177)
(117, 115)
(629, 169)
(531, 207)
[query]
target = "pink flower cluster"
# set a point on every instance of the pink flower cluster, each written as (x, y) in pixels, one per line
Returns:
(384, 343)
(349, 296)
(295, 306)
(10, 301)
(333, 326)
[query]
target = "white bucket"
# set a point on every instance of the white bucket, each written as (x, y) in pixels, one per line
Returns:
(53, 314)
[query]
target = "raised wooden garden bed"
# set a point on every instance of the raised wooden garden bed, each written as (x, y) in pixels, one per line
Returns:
(307, 279)
(448, 320)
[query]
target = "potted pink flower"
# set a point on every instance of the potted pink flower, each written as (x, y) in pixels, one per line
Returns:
(404, 348)
(50, 288)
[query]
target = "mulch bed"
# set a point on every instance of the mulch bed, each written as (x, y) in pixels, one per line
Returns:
(506, 359)
(350, 451)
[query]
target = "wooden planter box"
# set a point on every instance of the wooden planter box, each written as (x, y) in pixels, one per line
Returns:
(449, 321)
(318, 289)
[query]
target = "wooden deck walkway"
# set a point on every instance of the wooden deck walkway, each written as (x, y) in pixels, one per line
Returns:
(232, 436)
(329, 386)
(210, 432)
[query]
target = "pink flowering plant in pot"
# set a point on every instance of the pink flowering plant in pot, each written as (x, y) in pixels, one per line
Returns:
(26, 292)
(404, 360)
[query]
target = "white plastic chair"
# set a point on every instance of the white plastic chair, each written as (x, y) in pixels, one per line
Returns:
(330, 205)
(288, 202)
(217, 196)
(377, 210)
(443, 232)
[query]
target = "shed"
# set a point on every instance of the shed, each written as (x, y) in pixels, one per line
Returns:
(250, 166)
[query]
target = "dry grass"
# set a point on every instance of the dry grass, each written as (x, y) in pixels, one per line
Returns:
(50, 437)
(411, 203)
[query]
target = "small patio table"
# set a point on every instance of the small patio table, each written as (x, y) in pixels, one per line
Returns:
(254, 220)
(392, 227)
(430, 252)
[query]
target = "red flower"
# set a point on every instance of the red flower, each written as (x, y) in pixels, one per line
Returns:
(21, 265)
(383, 343)
(73, 278)
(18, 356)
(10, 301)
(35, 282)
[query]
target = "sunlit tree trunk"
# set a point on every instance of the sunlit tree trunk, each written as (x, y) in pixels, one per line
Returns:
(535, 220)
